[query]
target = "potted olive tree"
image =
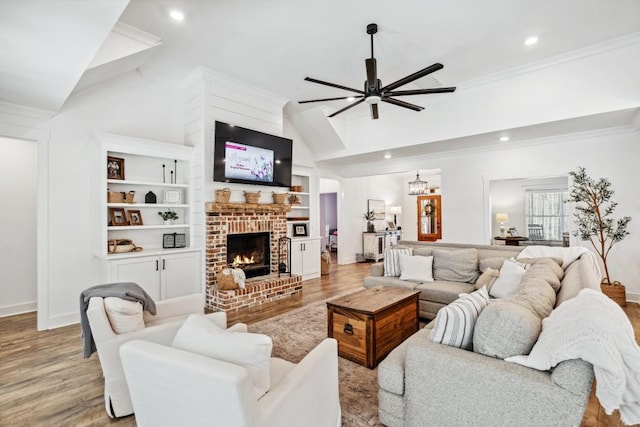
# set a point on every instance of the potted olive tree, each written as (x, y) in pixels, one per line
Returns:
(594, 221)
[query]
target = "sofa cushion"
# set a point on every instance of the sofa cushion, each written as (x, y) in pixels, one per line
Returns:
(423, 251)
(442, 291)
(487, 278)
(509, 279)
(253, 351)
(124, 316)
(494, 263)
(544, 272)
(391, 282)
(392, 261)
(511, 326)
(457, 265)
(416, 268)
(505, 329)
(454, 323)
(571, 284)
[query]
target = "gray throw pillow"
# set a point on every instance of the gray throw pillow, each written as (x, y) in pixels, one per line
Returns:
(456, 265)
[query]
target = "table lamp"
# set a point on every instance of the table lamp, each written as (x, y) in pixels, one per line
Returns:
(502, 218)
(395, 210)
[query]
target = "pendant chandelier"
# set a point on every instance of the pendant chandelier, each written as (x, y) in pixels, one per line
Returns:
(418, 187)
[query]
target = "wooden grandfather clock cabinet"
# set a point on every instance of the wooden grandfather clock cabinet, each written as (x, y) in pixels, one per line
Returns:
(429, 218)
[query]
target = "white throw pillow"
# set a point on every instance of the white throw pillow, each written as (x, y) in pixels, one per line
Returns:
(455, 322)
(391, 261)
(416, 268)
(509, 279)
(124, 316)
(253, 351)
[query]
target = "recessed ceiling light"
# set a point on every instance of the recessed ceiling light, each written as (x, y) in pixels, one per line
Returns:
(176, 15)
(504, 138)
(530, 41)
(387, 156)
(351, 99)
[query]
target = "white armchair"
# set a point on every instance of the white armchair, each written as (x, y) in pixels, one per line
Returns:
(160, 328)
(171, 387)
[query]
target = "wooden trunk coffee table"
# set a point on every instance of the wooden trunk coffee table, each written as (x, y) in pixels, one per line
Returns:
(370, 323)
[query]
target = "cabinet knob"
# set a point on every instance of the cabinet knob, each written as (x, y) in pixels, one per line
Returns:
(157, 265)
(163, 264)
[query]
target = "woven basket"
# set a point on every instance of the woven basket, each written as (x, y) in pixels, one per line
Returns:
(120, 197)
(222, 196)
(252, 196)
(279, 198)
(225, 280)
(616, 291)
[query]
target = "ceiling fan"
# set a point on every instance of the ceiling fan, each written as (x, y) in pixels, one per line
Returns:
(374, 92)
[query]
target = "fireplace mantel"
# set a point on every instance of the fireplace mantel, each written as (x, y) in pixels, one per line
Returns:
(214, 207)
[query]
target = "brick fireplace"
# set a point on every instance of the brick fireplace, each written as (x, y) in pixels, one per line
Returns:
(224, 219)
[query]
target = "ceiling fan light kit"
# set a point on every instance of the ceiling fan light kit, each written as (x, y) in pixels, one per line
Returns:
(374, 92)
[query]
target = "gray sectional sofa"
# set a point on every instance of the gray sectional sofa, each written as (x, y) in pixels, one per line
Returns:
(435, 295)
(423, 383)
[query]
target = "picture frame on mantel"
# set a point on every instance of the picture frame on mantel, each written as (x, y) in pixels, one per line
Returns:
(299, 230)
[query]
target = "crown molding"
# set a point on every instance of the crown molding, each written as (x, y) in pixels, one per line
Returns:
(592, 50)
(136, 34)
(399, 165)
(24, 111)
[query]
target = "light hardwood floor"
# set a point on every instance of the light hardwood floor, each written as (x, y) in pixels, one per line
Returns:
(44, 381)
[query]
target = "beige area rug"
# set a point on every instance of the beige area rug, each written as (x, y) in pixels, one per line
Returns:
(297, 332)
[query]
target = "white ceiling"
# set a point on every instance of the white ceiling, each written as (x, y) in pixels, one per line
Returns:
(46, 47)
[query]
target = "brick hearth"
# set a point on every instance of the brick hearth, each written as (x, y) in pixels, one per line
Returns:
(223, 219)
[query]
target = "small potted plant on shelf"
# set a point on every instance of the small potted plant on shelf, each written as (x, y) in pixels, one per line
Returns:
(168, 216)
(370, 216)
(593, 218)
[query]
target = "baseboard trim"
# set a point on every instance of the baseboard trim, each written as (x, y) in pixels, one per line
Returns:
(12, 310)
(63, 320)
(633, 297)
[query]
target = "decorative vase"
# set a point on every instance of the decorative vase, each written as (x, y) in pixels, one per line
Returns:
(370, 227)
(168, 222)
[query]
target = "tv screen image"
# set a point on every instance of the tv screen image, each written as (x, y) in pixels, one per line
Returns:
(247, 156)
(247, 162)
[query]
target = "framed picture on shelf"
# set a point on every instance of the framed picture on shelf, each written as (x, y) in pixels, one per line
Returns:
(391, 225)
(117, 217)
(512, 232)
(299, 230)
(115, 168)
(135, 217)
(172, 196)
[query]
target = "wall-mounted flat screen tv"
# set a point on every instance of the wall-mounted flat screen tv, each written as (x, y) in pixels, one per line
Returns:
(247, 156)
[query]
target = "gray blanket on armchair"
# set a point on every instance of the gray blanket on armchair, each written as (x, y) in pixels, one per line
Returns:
(126, 290)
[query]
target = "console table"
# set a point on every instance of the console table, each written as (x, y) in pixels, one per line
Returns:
(374, 244)
(512, 240)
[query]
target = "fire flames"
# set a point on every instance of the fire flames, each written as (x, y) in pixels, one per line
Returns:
(243, 260)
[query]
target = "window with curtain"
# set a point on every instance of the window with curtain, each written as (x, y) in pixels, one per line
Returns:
(547, 208)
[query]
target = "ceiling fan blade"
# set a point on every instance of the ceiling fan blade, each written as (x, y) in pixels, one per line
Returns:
(415, 76)
(421, 91)
(374, 111)
(328, 99)
(399, 103)
(353, 104)
(372, 72)
(309, 79)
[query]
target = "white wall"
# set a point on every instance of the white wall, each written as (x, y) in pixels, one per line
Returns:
(465, 188)
(18, 245)
(352, 202)
(129, 105)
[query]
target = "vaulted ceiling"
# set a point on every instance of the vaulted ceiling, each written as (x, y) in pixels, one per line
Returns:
(582, 72)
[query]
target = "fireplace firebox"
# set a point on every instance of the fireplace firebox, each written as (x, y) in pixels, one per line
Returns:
(250, 252)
